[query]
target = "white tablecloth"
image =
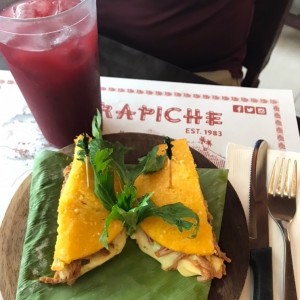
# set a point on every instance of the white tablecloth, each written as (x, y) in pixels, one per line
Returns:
(20, 137)
(238, 161)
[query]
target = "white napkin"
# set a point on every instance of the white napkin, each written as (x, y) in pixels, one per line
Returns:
(238, 162)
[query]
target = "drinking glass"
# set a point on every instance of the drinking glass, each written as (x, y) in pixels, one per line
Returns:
(51, 49)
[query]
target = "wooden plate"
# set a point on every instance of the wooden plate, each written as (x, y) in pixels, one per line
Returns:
(233, 238)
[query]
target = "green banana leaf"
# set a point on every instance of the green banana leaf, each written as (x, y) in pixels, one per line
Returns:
(130, 275)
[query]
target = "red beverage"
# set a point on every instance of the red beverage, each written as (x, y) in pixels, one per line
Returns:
(54, 60)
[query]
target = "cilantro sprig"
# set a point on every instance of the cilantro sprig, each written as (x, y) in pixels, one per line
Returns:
(107, 160)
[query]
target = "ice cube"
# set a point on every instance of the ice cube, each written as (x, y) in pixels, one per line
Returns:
(23, 11)
(36, 9)
(62, 36)
(67, 4)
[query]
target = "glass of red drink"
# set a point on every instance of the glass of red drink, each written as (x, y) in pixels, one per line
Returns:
(51, 48)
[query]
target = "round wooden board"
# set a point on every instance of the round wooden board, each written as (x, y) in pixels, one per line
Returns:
(233, 238)
(12, 233)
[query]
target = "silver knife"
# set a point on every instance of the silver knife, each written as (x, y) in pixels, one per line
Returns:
(260, 252)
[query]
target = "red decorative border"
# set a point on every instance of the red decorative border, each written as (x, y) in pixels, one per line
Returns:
(273, 102)
(7, 81)
(197, 96)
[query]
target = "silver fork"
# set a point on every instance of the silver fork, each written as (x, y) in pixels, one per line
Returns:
(282, 207)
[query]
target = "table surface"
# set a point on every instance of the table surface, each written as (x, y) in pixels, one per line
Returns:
(133, 64)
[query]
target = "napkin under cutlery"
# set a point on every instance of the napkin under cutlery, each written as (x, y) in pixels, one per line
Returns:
(238, 162)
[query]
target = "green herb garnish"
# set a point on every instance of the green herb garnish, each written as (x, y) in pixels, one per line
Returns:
(107, 160)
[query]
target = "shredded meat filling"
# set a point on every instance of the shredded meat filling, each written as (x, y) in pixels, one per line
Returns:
(72, 272)
(67, 171)
(220, 253)
(205, 267)
(163, 251)
(203, 263)
(175, 262)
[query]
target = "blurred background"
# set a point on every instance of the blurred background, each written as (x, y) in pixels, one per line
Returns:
(283, 69)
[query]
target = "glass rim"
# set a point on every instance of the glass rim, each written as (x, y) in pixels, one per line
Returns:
(28, 20)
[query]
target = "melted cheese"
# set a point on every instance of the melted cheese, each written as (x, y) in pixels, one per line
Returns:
(187, 265)
(150, 248)
(98, 258)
